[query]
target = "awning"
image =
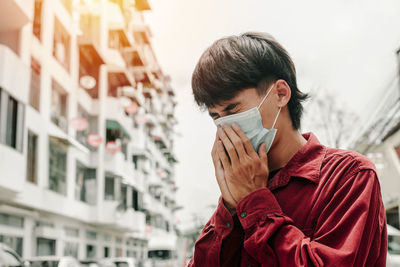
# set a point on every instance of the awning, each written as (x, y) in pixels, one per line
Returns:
(115, 125)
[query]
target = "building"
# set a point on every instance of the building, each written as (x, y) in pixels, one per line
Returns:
(86, 130)
(379, 139)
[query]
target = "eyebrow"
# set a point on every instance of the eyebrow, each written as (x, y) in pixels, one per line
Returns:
(227, 108)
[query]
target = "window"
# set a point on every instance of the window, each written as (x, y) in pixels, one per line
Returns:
(59, 106)
(57, 166)
(11, 220)
(34, 93)
(118, 253)
(392, 216)
(160, 254)
(81, 136)
(136, 200)
(85, 187)
(45, 247)
(37, 19)
(31, 170)
(12, 110)
(123, 197)
(90, 251)
(135, 159)
(44, 224)
(61, 44)
(91, 235)
(109, 188)
(71, 249)
(71, 232)
(106, 252)
(11, 121)
(46, 263)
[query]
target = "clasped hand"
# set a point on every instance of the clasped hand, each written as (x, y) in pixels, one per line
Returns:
(238, 168)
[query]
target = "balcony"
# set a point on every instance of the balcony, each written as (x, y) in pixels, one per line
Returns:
(11, 170)
(131, 92)
(90, 61)
(14, 14)
(114, 58)
(131, 220)
(152, 205)
(160, 137)
(154, 180)
(116, 164)
(116, 112)
(10, 64)
(110, 215)
(118, 79)
(134, 58)
(106, 213)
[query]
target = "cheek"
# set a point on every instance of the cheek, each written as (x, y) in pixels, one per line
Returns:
(268, 117)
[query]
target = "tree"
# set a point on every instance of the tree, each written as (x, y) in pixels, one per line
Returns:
(333, 122)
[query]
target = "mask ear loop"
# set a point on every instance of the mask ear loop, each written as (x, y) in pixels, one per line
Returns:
(276, 118)
(262, 101)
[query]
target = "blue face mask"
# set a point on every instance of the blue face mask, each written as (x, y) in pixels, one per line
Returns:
(250, 122)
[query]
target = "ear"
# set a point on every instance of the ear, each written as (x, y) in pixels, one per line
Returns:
(283, 92)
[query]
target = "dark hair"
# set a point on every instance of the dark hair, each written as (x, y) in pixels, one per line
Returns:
(251, 59)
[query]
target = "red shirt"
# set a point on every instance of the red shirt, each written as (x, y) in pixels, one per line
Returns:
(324, 208)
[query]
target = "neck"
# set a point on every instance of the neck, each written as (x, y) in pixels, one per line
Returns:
(287, 143)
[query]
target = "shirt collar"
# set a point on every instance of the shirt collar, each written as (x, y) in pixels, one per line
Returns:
(306, 163)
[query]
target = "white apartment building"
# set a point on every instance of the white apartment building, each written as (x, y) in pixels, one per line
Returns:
(380, 141)
(86, 130)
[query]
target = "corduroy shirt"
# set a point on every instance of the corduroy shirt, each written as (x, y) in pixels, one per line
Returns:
(324, 208)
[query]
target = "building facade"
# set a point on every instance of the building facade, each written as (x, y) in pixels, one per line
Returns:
(86, 130)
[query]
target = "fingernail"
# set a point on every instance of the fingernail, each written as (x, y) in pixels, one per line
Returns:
(235, 126)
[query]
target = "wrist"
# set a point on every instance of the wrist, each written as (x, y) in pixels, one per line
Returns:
(231, 209)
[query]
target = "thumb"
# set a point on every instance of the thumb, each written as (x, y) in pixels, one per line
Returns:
(262, 153)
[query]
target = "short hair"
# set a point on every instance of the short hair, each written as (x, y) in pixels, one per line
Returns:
(234, 63)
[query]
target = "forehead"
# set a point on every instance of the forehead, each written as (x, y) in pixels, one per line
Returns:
(244, 97)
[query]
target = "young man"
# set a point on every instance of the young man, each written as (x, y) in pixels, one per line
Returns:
(286, 200)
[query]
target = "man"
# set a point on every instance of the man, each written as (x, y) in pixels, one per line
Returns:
(286, 200)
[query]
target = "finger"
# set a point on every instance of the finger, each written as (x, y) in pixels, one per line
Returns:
(233, 156)
(236, 141)
(226, 193)
(245, 140)
(222, 156)
(262, 153)
(214, 148)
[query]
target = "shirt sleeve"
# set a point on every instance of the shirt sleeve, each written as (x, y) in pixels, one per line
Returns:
(350, 231)
(208, 245)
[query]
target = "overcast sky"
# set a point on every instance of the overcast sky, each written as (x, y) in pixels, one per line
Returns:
(346, 47)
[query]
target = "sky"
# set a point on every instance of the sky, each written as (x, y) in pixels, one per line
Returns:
(345, 47)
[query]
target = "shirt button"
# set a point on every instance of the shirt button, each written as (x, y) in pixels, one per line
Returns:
(228, 225)
(243, 214)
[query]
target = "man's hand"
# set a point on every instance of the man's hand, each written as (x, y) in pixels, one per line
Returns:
(219, 174)
(242, 169)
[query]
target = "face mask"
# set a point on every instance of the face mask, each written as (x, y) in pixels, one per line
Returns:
(250, 122)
